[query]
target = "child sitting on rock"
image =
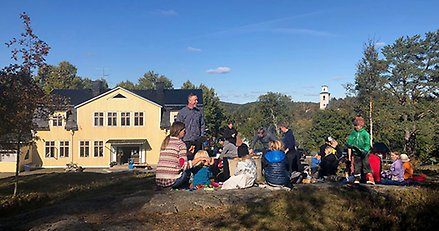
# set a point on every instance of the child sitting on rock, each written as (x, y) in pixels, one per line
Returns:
(202, 172)
(315, 163)
(329, 164)
(245, 171)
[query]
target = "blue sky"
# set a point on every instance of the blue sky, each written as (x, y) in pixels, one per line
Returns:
(242, 49)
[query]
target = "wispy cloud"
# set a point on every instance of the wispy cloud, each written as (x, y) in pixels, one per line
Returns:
(88, 54)
(312, 94)
(379, 44)
(168, 12)
(338, 78)
(219, 70)
(193, 49)
(277, 25)
(301, 31)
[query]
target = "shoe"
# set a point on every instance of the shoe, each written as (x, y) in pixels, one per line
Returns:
(370, 179)
(357, 180)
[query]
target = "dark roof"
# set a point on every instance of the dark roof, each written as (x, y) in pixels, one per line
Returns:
(168, 97)
(76, 96)
(171, 96)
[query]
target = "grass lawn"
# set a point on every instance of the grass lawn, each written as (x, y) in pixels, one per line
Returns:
(95, 198)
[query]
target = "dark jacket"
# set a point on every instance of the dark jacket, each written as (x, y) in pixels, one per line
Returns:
(194, 122)
(328, 165)
(275, 165)
(230, 134)
(289, 140)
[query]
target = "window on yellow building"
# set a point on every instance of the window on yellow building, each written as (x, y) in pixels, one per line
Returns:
(112, 118)
(98, 149)
(50, 149)
(138, 118)
(64, 149)
(84, 149)
(57, 121)
(99, 119)
(124, 119)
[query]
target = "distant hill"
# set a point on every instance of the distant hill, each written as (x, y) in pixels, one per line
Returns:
(231, 108)
(303, 107)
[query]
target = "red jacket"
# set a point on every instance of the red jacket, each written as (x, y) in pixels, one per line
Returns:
(375, 165)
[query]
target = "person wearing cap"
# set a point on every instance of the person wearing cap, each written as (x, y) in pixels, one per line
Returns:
(408, 167)
(264, 137)
(331, 142)
(358, 144)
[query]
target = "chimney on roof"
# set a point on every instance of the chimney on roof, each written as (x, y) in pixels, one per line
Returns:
(160, 89)
(96, 87)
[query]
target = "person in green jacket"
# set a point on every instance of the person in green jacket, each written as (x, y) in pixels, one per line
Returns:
(358, 151)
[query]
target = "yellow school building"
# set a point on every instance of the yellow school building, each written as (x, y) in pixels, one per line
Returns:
(100, 129)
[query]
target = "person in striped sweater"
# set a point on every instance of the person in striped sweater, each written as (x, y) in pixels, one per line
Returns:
(172, 168)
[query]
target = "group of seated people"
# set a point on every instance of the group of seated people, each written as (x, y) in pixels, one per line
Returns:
(204, 171)
(325, 165)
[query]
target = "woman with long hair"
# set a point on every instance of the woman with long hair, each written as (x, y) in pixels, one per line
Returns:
(173, 164)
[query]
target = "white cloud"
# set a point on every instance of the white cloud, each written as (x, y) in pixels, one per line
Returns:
(379, 44)
(219, 70)
(193, 49)
(168, 12)
(337, 78)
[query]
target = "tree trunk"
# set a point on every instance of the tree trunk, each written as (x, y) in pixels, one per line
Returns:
(370, 120)
(17, 168)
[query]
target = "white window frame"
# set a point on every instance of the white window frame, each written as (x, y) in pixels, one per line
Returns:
(84, 148)
(112, 116)
(98, 148)
(57, 121)
(50, 149)
(139, 119)
(64, 149)
(98, 119)
(125, 120)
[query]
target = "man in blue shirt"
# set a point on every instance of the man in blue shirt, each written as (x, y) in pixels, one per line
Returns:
(193, 120)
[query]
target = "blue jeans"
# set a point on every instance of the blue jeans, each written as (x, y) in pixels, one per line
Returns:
(182, 181)
(392, 182)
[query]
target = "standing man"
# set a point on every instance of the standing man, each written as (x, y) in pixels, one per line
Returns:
(264, 137)
(193, 120)
(293, 155)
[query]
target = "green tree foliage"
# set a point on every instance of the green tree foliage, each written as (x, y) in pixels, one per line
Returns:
(127, 85)
(149, 80)
(403, 86)
(368, 82)
(63, 76)
(275, 108)
(188, 85)
(214, 115)
(329, 122)
(21, 98)
(412, 79)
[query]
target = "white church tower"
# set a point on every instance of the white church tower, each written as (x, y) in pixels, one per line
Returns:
(324, 97)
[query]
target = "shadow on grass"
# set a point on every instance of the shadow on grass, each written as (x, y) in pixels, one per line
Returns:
(66, 193)
(336, 208)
